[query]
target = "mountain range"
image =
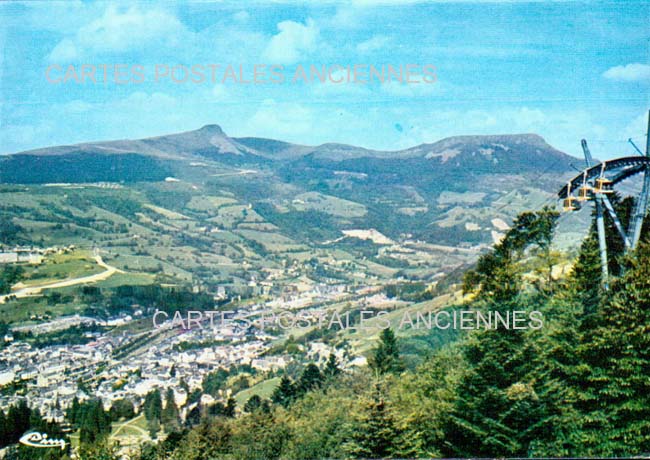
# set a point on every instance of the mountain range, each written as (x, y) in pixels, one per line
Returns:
(248, 196)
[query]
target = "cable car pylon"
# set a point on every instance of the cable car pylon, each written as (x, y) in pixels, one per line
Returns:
(596, 182)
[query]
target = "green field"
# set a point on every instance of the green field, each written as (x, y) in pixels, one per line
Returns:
(263, 389)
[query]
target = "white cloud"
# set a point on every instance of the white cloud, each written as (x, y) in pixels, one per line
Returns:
(374, 43)
(120, 30)
(629, 72)
(65, 51)
(281, 120)
(292, 42)
(309, 124)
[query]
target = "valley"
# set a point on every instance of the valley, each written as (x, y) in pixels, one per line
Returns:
(119, 233)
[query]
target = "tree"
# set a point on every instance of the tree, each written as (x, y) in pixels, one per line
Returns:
(615, 396)
(376, 435)
(170, 417)
(259, 435)
(386, 358)
(584, 279)
(153, 405)
(310, 379)
(285, 393)
(95, 423)
(253, 404)
(153, 425)
(231, 407)
(9, 275)
(332, 368)
(215, 381)
(72, 413)
(496, 400)
(122, 409)
(497, 275)
(99, 451)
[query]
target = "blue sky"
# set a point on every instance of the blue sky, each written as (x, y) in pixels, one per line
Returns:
(564, 70)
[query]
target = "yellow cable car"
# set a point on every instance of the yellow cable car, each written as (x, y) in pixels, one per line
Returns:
(584, 193)
(585, 190)
(603, 185)
(568, 204)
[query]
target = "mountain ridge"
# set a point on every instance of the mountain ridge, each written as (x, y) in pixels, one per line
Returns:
(189, 144)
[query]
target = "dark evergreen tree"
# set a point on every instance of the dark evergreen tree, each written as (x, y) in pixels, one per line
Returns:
(386, 357)
(95, 423)
(153, 426)
(18, 420)
(285, 393)
(4, 430)
(310, 379)
(153, 405)
(253, 404)
(170, 416)
(375, 434)
(498, 409)
(72, 413)
(615, 396)
(332, 368)
(231, 407)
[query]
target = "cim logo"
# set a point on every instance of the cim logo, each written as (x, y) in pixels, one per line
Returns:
(40, 440)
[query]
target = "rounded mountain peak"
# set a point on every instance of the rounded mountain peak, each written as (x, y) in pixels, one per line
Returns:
(211, 129)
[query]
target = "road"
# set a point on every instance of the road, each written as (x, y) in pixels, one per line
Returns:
(130, 424)
(35, 290)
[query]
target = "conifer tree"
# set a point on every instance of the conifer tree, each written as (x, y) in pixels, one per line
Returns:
(310, 379)
(170, 417)
(332, 368)
(285, 393)
(376, 435)
(616, 383)
(497, 406)
(153, 405)
(253, 403)
(385, 357)
(95, 423)
(231, 407)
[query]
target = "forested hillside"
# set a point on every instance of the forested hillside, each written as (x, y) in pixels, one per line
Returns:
(579, 386)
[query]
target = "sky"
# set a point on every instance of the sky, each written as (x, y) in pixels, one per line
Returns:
(563, 70)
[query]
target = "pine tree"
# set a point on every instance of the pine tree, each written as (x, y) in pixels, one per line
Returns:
(332, 368)
(95, 423)
(253, 403)
(376, 435)
(497, 400)
(556, 369)
(584, 280)
(385, 358)
(18, 420)
(285, 393)
(72, 413)
(498, 407)
(310, 379)
(3, 429)
(170, 417)
(153, 425)
(616, 384)
(231, 407)
(153, 405)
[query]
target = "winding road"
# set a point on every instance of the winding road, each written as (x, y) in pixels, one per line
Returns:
(35, 290)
